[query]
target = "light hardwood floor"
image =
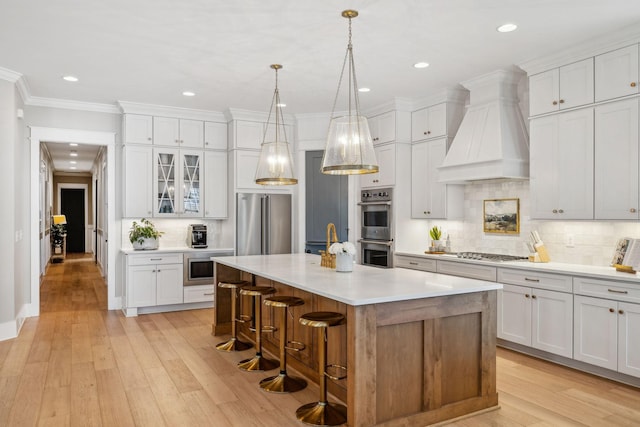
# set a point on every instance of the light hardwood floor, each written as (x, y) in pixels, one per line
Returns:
(79, 364)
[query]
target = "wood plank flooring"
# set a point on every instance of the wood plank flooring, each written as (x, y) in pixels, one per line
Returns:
(81, 365)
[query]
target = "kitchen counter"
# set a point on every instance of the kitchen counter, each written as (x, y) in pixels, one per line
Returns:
(594, 271)
(418, 347)
(183, 249)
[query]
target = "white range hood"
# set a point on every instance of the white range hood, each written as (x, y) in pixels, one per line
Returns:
(492, 141)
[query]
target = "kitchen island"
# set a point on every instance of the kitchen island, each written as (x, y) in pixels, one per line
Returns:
(418, 347)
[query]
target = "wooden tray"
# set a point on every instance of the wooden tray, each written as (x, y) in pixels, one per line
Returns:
(435, 253)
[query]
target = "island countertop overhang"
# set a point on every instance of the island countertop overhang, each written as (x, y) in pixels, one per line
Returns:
(364, 285)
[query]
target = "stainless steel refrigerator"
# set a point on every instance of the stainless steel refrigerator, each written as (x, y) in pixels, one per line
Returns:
(263, 224)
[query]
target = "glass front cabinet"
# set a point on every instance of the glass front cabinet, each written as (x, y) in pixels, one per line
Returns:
(177, 183)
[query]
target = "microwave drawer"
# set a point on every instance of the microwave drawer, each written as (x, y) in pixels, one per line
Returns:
(150, 259)
(552, 282)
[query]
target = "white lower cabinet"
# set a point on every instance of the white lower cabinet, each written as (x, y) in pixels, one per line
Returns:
(607, 334)
(537, 318)
(154, 280)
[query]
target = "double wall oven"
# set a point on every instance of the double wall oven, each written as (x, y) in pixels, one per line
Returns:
(376, 243)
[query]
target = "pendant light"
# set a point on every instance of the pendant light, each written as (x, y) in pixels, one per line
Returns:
(275, 166)
(349, 148)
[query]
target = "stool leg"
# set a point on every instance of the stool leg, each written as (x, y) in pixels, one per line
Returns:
(322, 413)
(258, 363)
(283, 383)
(233, 344)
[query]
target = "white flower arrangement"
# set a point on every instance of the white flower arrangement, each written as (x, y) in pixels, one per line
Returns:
(345, 247)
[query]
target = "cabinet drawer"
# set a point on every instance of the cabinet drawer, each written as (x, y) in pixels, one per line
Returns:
(416, 263)
(619, 291)
(146, 259)
(472, 271)
(553, 282)
(200, 293)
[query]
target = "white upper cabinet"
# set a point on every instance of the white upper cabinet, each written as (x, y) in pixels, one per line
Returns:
(247, 135)
(245, 165)
(429, 198)
(383, 127)
(562, 88)
(215, 184)
(169, 131)
(215, 136)
(138, 182)
(386, 176)
(430, 122)
(561, 166)
(138, 129)
(177, 182)
(616, 160)
(616, 73)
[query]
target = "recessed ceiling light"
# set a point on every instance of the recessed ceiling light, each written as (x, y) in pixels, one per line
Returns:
(74, 154)
(364, 89)
(72, 167)
(506, 28)
(70, 78)
(421, 65)
(73, 144)
(281, 105)
(73, 162)
(187, 93)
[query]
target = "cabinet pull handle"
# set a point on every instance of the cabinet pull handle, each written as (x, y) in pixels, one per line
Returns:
(526, 295)
(620, 311)
(562, 101)
(633, 84)
(555, 102)
(208, 294)
(615, 291)
(155, 259)
(413, 263)
(531, 280)
(611, 310)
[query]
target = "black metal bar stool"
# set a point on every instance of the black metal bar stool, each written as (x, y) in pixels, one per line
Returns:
(283, 383)
(234, 344)
(258, 362)
(323, 413)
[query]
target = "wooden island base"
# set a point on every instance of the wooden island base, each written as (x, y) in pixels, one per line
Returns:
(413, 362)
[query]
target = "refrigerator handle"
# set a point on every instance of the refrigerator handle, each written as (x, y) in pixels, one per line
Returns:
(265, 229)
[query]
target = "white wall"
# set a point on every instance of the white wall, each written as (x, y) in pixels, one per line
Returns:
(593, 241)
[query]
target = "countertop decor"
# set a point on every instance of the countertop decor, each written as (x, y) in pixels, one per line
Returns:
(143, 235)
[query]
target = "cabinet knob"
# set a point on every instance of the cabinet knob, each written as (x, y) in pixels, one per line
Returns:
(533, 296)
(560, 211)
(562, 101)
(611, 310)
(555, 102)
(149, 139)
(427, 212)
(555, 211)
(526, 295)
(632, 210)
(620, 311)
(158, 271)
(425, 132)
(633, 84)
(206, 143)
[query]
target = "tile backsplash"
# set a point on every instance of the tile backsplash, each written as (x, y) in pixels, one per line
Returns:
(175, 232)
(575, 242)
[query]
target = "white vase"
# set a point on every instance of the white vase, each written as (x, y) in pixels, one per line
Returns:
(344, 262)
(146, 244)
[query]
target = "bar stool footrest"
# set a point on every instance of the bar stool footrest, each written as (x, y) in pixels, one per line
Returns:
(337, 368)
(295, 346)
(243, 318)
(267, 329)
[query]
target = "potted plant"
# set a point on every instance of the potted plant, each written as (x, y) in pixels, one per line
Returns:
(436, 233)
(58, 231)
(144, 235)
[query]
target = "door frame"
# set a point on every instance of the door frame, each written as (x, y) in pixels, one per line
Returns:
(58, 135)
(85, 187)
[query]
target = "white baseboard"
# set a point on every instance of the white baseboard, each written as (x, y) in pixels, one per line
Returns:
(8, 330)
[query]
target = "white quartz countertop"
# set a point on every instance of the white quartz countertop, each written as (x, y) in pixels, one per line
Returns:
(364, 285)
(593, 271)
(179, 249)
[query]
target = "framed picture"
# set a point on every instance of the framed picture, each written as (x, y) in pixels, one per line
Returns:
(501, 216)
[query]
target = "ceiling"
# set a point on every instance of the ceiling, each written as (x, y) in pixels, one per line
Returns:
(150, 51)
(62, 158)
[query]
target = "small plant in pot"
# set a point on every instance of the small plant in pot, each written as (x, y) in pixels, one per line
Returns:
(144, 235)
(435, 233)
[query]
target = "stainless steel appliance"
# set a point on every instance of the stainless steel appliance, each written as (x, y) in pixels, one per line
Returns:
(197, 236)
(263, 224)
(376, 231)
(490, 257)
(198, 268)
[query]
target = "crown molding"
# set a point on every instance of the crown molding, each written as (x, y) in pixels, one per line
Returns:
(127, 107)
(9, 75)
(455, 94)
(36, 101)
(254, 116)
(396, 104)
(591, 47)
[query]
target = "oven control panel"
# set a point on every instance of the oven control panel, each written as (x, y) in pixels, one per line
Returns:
(377, 195)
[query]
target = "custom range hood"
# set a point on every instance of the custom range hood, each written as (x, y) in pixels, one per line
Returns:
(492, 141)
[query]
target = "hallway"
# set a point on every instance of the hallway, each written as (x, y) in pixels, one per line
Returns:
(79, 364)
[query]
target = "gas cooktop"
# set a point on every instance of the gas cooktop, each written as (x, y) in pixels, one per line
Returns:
(490, 257)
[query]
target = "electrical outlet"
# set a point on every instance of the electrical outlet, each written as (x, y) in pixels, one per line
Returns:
(569, 241)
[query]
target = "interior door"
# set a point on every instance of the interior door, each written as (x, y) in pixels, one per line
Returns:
(72, 206)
